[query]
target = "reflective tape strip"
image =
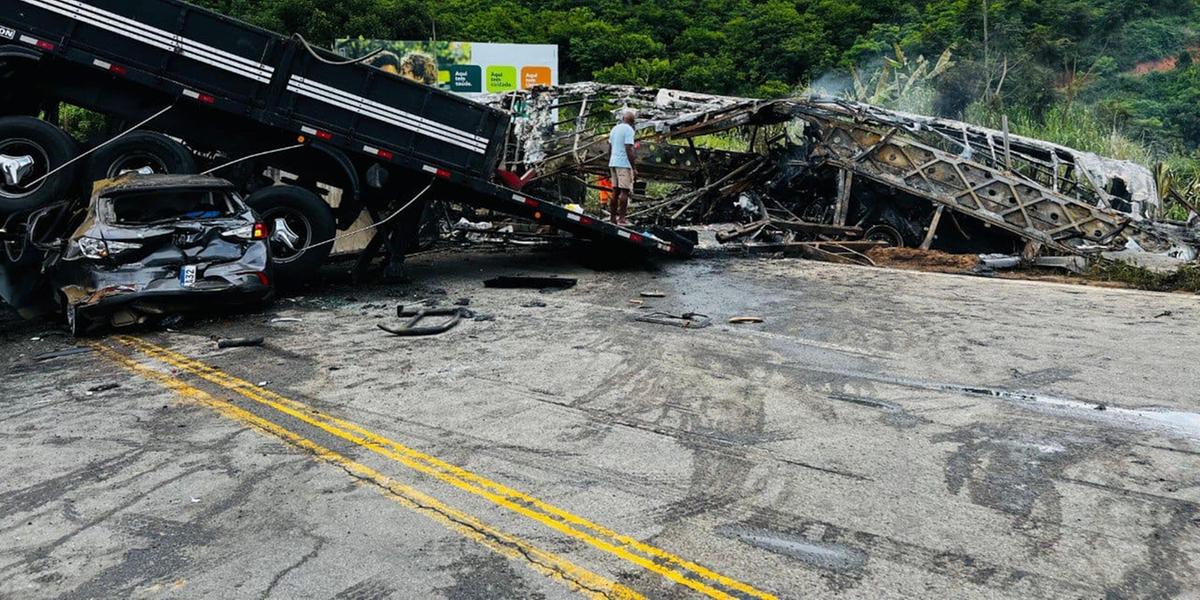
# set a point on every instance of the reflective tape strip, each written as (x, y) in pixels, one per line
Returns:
(429, 169)
(572, 216)
(623, 233)
(28, 40)
(518, 199)
(308, 130)
(103, 65)
(158, 38)
(192, 94)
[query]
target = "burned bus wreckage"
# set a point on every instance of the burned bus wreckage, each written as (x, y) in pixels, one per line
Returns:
(813, 171)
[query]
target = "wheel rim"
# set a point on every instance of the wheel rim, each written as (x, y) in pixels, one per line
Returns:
(136, 161)
(21, 147)
(289, 233)
(887, 234)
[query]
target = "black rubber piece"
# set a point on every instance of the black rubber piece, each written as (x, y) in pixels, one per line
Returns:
(411, 329)
(532, 283)
(277, 199)
(136, 148)
(58, 147)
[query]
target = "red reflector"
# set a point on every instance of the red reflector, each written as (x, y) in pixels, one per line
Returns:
(206, 99)
(385, 155)
(117, 69)
(260, 232)
(262, 278)
(531, 202)
(44, 45)
(325, 135)
(444, 174)
(635, 238)
(585, 220)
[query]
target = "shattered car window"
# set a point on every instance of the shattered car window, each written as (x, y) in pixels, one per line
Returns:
(146, 208)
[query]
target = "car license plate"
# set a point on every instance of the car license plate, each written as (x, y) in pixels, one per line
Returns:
(187, 276)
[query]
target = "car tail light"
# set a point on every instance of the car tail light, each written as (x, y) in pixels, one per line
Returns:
(257, 231)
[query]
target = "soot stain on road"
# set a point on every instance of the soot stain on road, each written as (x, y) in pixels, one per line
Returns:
(1014, 472)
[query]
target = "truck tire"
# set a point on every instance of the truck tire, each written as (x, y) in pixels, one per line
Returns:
(296, 219)
(137, 150)
(48, 147)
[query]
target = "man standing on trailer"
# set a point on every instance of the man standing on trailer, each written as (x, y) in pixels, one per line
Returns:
(620, 163)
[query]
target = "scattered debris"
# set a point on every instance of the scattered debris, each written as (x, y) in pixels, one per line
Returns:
(534, 304)
(533, 283)
(1165, 313)
(239, 342)
(745, 319)
(411, 328)
(813, 169)
(928, 260)
(688, 320)
(104, 387)
(285, 320)
(462, 302)
(653, 294)
(61, 353)
(636, 302)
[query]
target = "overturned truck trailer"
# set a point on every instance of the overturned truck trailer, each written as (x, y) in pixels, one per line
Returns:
(828, 169)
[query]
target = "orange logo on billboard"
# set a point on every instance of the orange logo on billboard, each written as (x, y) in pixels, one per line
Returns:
(531, 76)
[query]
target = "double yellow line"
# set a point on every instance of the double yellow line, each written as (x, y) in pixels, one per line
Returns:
(651, 558)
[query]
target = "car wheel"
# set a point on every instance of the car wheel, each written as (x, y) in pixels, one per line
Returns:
(29, 149)
(887, 234)
(298, 222)
(141, 151)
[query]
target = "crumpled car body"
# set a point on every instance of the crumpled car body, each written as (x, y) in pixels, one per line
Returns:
(156, 245)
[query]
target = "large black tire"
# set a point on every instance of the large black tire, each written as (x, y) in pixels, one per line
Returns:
(49, 147)
(140, 149)
(306, 216)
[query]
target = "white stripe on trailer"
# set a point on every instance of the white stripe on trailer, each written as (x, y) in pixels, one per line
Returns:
(387, 114)
(28, 40)
(102, 64)
(623, 233)
(308, 130)
(429, 169)
(371, 150)
(437, 135)
(572, 216)
(175, 43)
(361, 106)
(518, 199)
(191, 94)
(158, 38)
(466, 135)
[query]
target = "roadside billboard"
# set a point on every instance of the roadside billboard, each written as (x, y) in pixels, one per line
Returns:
(468, 68)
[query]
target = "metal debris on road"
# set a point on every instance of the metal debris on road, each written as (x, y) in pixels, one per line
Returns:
(411, 327)
(745, 319)
(653, 294)
(688, 320)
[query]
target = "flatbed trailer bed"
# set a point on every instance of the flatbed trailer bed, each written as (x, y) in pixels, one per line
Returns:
(240, 89)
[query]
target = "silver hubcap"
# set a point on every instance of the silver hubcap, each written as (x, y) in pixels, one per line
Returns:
(284, 234)
(15, 168)
(22, 161)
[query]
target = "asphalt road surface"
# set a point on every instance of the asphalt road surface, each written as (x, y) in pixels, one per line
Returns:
(881, 434)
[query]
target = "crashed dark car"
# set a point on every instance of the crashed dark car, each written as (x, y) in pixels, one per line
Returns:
(156, 245)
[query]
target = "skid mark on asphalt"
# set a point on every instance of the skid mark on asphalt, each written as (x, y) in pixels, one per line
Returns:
(468, 526)
(651, 558)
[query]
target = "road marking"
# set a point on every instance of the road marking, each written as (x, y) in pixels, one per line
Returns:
(551, 565)
(651, 558)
